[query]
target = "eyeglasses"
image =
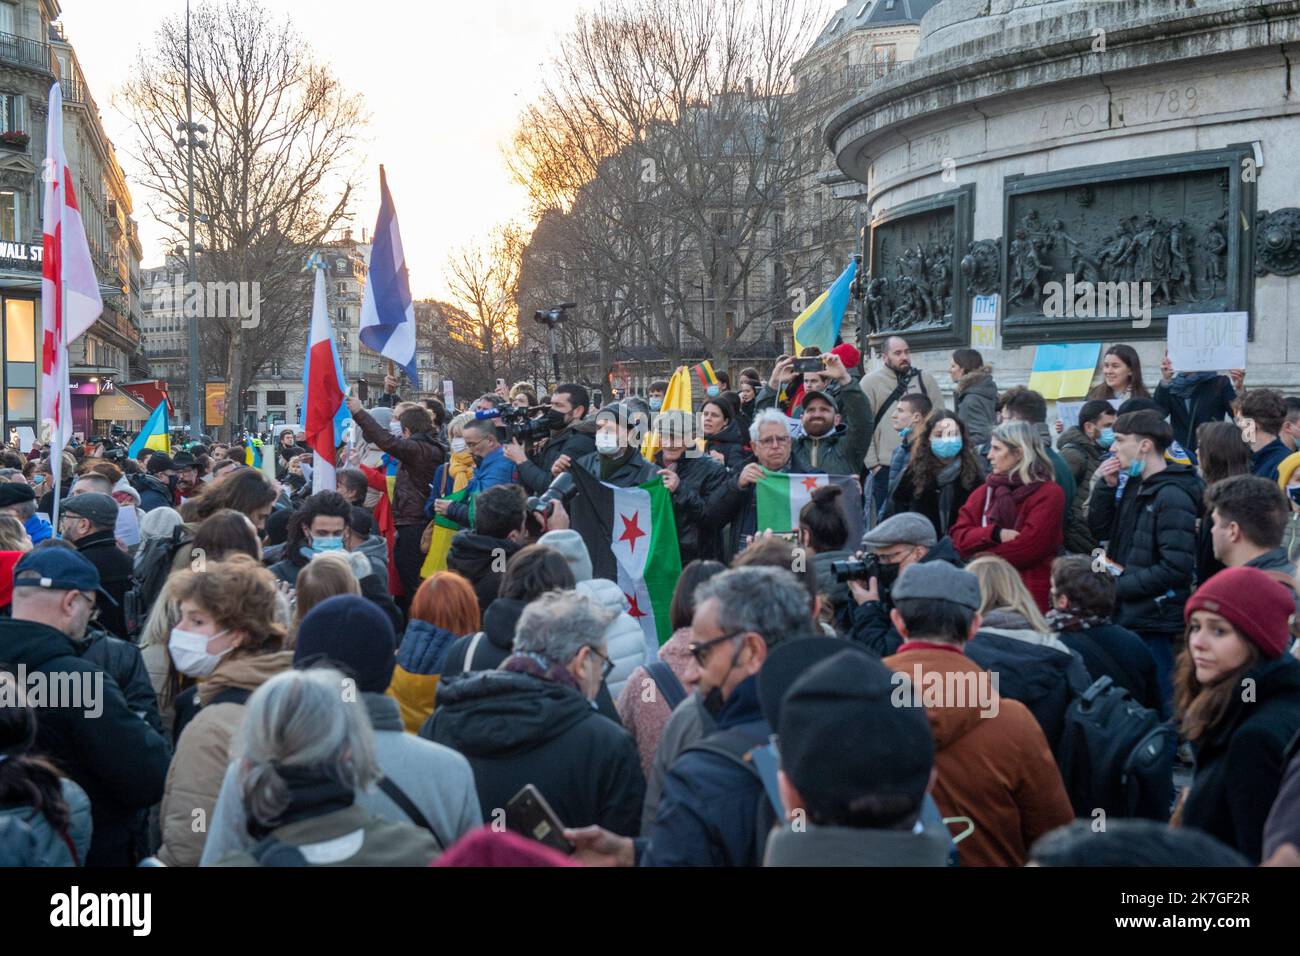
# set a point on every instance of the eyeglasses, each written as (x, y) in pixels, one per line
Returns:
(606, 667)
(700, 651)
(773, 440)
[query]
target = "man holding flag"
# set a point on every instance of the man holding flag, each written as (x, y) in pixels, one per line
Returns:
(70, 299)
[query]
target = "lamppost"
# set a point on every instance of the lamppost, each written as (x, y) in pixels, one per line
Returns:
(191, 142)
(700, 285)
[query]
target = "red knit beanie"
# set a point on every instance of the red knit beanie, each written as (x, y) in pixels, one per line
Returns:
(1256, 604)
(849, 355)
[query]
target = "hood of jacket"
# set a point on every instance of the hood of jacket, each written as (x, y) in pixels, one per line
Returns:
(424, 647)
(504, 714)
(978, 380)
(249, 672)
(499, 621)
(848, 846)
(383, 711)
(1074, 436)
(150, 483)
(605, 593)
(948, 723)
(472, 553)
(375, 548)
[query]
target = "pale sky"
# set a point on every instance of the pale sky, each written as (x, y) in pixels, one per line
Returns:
(444, 83)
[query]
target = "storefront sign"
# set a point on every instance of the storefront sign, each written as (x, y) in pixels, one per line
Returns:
(20, 255)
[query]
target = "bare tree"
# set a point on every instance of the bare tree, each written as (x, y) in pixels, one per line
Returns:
(484, 279)
(275, 179)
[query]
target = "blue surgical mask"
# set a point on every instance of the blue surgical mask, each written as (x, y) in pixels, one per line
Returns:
(1107, 437)
(946, 447)
(905, 431)
(714, 391)
(1135, 469)
(656, 403)
(322, 545)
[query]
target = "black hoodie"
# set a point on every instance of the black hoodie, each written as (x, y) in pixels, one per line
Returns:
(731, 442)
(517, 729)
(481, 561)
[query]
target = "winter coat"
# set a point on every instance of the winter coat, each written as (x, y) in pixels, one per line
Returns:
(1151, 533)
(374, 587)
(708, 810)
(1283, 823)
(517, 729)
(645, 718)
(688, 723)
(975, 400)
(419, 455)
(575, 440)
(205, 747)
(1264, 463)
(1240, 762)
(154, 493)
(481, 561)
(701, 481)
(871, 626)
(117, 758)
(878, 386)
(496, 645)
(1036, 669)
(495, 469)
(996, 769)
(434, 778)
(736, 507)
(941, 503)
(733, 443)
(840, 452)
(383, 843)
(114, 567)
(375, 548)
(631, 470)
(123, 662)
(1109, 650)
(850, 846)
(420, 658)
(1082, 455)
(1210, 401)
(1039, 522)
(51, 847)
(626, 641)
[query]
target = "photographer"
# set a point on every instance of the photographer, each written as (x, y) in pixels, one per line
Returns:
(572, 436)
(895, 544)
(491, 467)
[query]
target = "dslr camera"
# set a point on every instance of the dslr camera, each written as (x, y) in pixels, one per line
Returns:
(519, 423)
(561, 489)
(855, 569)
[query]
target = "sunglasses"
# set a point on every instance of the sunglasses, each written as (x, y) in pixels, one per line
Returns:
(700, 651)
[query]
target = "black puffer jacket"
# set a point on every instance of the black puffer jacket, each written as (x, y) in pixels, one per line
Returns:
(1210, 401)
(517, 729)
(575, 441)
(631, 469)
(114, 567)
(1151, 533)
(123, 662)
(700, 483)
(731, 442)
(1240, 763)
(1116, 652)
(475, 557)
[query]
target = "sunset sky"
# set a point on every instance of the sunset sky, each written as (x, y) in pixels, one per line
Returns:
(444, 83)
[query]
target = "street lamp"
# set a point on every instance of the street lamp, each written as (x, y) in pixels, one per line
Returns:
(700, 285)
(190, 141)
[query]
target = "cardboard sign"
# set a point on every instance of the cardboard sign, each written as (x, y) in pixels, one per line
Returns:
(984, 322)
(1068, 414)
(1207, 342)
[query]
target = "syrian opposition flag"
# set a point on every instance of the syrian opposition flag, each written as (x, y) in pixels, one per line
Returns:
(323, 409)
(631, 536)
(387, 310)
(70, 300)
(778, 499)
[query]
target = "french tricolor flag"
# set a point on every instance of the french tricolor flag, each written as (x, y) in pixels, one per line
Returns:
(387, 312)
(323, 408)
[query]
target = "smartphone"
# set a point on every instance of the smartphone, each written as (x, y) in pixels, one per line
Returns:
(812, 363)
(529, 814)
(501, 383)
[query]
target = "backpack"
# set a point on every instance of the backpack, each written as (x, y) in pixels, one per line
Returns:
(671, 690)
(188, 706)
(152, 566)
(1116, 755)
(751, 750)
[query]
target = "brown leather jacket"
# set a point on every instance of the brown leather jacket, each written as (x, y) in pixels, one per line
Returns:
(419, 456)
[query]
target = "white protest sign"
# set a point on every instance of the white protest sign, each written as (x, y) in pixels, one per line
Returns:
(448, 396)
(26, 438)
(1207, 342)
(1068, 413)
(984, 322)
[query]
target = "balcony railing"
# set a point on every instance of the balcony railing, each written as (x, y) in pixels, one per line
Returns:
(27, 54)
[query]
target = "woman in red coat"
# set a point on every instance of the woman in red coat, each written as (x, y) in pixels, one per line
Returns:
(1017, 513)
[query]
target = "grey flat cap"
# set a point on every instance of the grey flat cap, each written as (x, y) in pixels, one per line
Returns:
(906, 528)
(938, 581)
(100, 509)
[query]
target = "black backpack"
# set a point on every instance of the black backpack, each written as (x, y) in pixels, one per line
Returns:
(1116, 755)
(153, 564)
(747, 747)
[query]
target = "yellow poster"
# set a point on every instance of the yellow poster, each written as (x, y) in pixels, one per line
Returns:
(214, 403)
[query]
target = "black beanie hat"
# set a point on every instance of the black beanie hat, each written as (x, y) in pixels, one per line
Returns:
(350, 632)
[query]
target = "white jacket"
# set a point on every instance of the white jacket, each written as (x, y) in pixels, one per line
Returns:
(624, 636)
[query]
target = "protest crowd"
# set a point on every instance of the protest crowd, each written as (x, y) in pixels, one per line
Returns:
(822, 616)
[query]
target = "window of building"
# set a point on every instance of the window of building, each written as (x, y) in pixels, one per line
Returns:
(20, 330)
(11, 109)
(275, 398)
(8, 13)
(275, 367)
(10, 218)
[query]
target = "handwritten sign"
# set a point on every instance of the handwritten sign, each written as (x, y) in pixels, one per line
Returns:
(984, 322)
(1208, 342)
(1067, 413)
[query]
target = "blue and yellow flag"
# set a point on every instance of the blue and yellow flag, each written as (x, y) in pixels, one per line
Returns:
(819, 324)
(253, 452)
(155, 433)
(1064, 371)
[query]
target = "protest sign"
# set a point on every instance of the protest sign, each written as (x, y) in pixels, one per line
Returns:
(1207, 342)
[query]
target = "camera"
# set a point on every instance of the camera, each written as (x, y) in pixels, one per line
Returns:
(519, 423)
(854, 569)
(562, 489)
(553, 316)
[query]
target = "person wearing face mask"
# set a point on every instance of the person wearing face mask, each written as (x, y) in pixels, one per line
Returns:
(230, 641)
(491, 468)
(103, 746)
(158, 487)
(617, 460)
(572, 436)
(1085, 445)
(533, 720)
(696, 483)
(907, 419)
(655, 395)
(1149, 534)
(898, 543)
(942, 473)
(320, 527)
(451, 478)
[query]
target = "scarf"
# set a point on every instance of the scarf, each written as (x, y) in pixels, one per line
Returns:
(949, 472)
(1072, 620)
(537, 666)
(1185, 383)
(312, 793)
(1003, 499)
(460, 470)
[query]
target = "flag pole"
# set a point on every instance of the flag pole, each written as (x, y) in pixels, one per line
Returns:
(64, 386)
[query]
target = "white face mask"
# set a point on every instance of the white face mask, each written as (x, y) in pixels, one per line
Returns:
(395, 429)
(190, 652)
(607, 443)
(458, 445)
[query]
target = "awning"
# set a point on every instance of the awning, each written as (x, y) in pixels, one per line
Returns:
(118, 406)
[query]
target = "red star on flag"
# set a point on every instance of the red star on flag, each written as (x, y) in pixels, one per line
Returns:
(810, 483)
(635, 610)
(631, 531)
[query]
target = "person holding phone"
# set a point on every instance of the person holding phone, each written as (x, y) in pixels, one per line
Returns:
(1191, 399)
(884, 387)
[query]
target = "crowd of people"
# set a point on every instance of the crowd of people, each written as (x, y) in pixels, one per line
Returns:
(1039, 623)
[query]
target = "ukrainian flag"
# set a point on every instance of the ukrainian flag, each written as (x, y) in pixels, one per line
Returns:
(1064, 371)
(819, 324)
(253, 453)
(155, 433)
